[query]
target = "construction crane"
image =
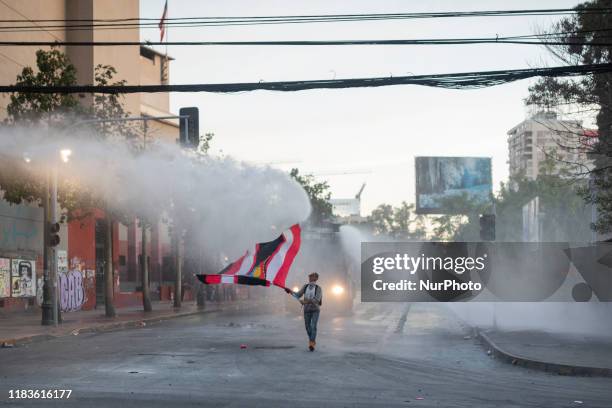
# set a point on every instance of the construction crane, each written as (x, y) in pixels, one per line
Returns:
(358, 195)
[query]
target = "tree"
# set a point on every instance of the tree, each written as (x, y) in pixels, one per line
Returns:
(461, 221)
(382, 219)
(54, 69)
(22, 182)
(398, 222)
(585, 38)
(319, 195)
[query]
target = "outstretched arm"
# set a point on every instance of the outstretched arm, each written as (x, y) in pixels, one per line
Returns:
(297, 294)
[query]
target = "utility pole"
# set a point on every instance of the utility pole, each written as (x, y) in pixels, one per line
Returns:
(47, 304)
(146, 294)
(109, 273)
(53, 274)
(178, 266)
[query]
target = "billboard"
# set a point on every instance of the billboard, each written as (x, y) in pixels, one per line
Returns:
(439, 179)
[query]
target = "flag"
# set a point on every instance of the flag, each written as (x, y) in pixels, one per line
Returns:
(162, 23)
(266, 264)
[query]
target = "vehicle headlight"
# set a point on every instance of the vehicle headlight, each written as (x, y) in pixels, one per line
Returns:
(337, 290)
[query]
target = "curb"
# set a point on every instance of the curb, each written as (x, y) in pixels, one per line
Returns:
(558, 368)
(113, 326)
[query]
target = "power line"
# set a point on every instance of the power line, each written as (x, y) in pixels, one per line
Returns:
(442, 14)
(96, 24)
(536, 39)
(466, 80)
(554, 38)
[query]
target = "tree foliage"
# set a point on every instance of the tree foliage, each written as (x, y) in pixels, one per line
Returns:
(318, 194)
(589, 95)
(398, 222)
(53, 69)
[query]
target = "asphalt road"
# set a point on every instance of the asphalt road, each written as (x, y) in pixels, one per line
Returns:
(384, 355)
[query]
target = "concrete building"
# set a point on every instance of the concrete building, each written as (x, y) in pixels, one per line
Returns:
(82, 240)
(136, 65)
(532, 139)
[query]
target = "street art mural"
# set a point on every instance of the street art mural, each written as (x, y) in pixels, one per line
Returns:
(23, 278)
(72, 290)
(5, 277)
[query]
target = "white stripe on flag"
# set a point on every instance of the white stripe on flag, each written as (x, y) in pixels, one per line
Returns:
(277, 260)
(227, 278)
(247, 263)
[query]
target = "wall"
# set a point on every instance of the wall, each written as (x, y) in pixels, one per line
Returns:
(14, 59)
(21, 244)
(126, 60)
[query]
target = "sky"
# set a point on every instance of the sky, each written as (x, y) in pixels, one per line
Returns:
(352, 136)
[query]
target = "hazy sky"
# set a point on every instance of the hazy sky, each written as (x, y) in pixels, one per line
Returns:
(376, 132)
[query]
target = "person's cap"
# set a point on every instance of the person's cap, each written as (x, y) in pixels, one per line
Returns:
(316, 275)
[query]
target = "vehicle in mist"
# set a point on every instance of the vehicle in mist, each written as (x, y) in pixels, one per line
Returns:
(322, 252)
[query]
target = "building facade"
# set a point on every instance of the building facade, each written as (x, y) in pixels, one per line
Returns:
(82, 240)
(544, 134)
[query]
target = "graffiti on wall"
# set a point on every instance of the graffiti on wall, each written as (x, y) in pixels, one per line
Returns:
(5, 277)
(72, 290)
(73, 283)
(23, 278)
(39, 291)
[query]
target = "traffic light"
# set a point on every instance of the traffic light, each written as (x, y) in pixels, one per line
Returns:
(487, 227)
(189, 127)
(54, 238)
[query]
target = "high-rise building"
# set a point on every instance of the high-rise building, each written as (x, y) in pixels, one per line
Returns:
(544, 134)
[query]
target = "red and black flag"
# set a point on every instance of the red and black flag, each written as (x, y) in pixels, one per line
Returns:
(266, 264)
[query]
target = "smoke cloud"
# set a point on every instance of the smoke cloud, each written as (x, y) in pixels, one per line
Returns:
(229, 205)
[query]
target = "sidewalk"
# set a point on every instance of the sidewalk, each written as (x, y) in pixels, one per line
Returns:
(558, 353)
(24, 327)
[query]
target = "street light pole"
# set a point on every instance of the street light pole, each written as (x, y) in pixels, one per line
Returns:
(53, 257)
(47, 304)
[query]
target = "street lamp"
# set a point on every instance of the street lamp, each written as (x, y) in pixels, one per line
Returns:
(51, 290)
(65, 155)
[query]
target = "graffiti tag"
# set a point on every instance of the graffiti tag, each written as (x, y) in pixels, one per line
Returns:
(72, 291)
